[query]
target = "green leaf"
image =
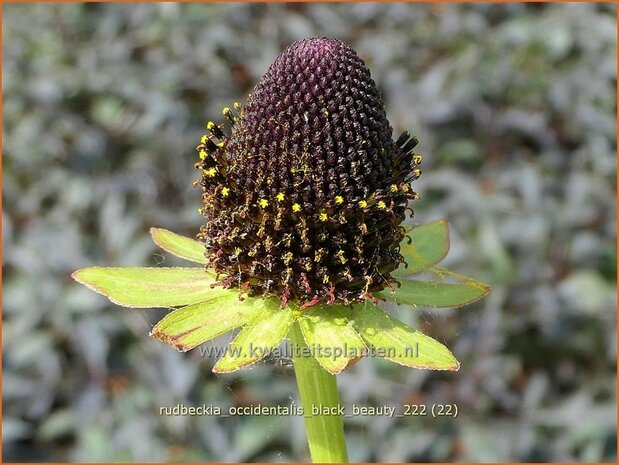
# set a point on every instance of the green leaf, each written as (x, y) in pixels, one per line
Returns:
(331, 337)
(435, 294)
(181, 246)
(190, 326)
(148, 287)
(429, 245)
(395, 341)
(261, 335)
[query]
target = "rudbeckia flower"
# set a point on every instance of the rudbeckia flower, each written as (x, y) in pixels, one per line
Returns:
(305, 192)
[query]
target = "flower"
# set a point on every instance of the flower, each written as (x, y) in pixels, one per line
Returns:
(311, 187)
(304, 199)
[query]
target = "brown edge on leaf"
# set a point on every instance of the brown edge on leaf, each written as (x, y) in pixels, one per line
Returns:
(172, 341)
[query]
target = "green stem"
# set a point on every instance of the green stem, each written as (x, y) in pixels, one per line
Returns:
(318, 389)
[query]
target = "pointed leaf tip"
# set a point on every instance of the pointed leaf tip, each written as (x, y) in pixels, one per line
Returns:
(190, 326)
(261, 335)
(435, 294)
(180, 246)
(143, 287)
(398, 342)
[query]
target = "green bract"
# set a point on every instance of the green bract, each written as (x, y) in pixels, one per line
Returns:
(337, 336)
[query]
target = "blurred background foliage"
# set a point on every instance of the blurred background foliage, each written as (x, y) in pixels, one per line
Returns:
(515, 106)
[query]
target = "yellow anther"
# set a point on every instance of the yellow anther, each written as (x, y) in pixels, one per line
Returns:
(202, 154)
(325, 279)
(210, 125)
(221, 144)
(225, 191)
(211, 172)
(264, 203)
(323, 217)
(296, 207)
(382, 205)
(226, 111)
(394, 187)
(288, 257)
(417, 158)
(340, 255)
(237, 105)
(203, 139)
(363, 204)
(339, 199)
(404, 187)
(326, 113)
(417, 172)
(280, 196)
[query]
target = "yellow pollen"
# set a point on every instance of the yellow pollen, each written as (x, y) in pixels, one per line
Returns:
(203, 139)
(211, 172)
(382, 205)
(325, 279)
(363, 204)
(394, 188)
(280, 196)
(339, 199)
(264, 203)
(326, 113)
(323, 216)
(296, 207)
(226, 110)
(417, 158)
(210, 125)
(416, 172)
(221, 144)
(202, 154)
(237, 105)
(225, 191)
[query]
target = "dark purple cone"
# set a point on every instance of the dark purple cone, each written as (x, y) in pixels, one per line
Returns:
(305, 198)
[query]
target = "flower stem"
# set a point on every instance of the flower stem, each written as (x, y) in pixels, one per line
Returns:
(318, 389)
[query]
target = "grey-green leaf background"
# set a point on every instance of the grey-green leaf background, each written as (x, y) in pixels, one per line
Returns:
(515, 108)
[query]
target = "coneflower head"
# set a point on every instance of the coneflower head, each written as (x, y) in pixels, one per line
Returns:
(304, 199)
